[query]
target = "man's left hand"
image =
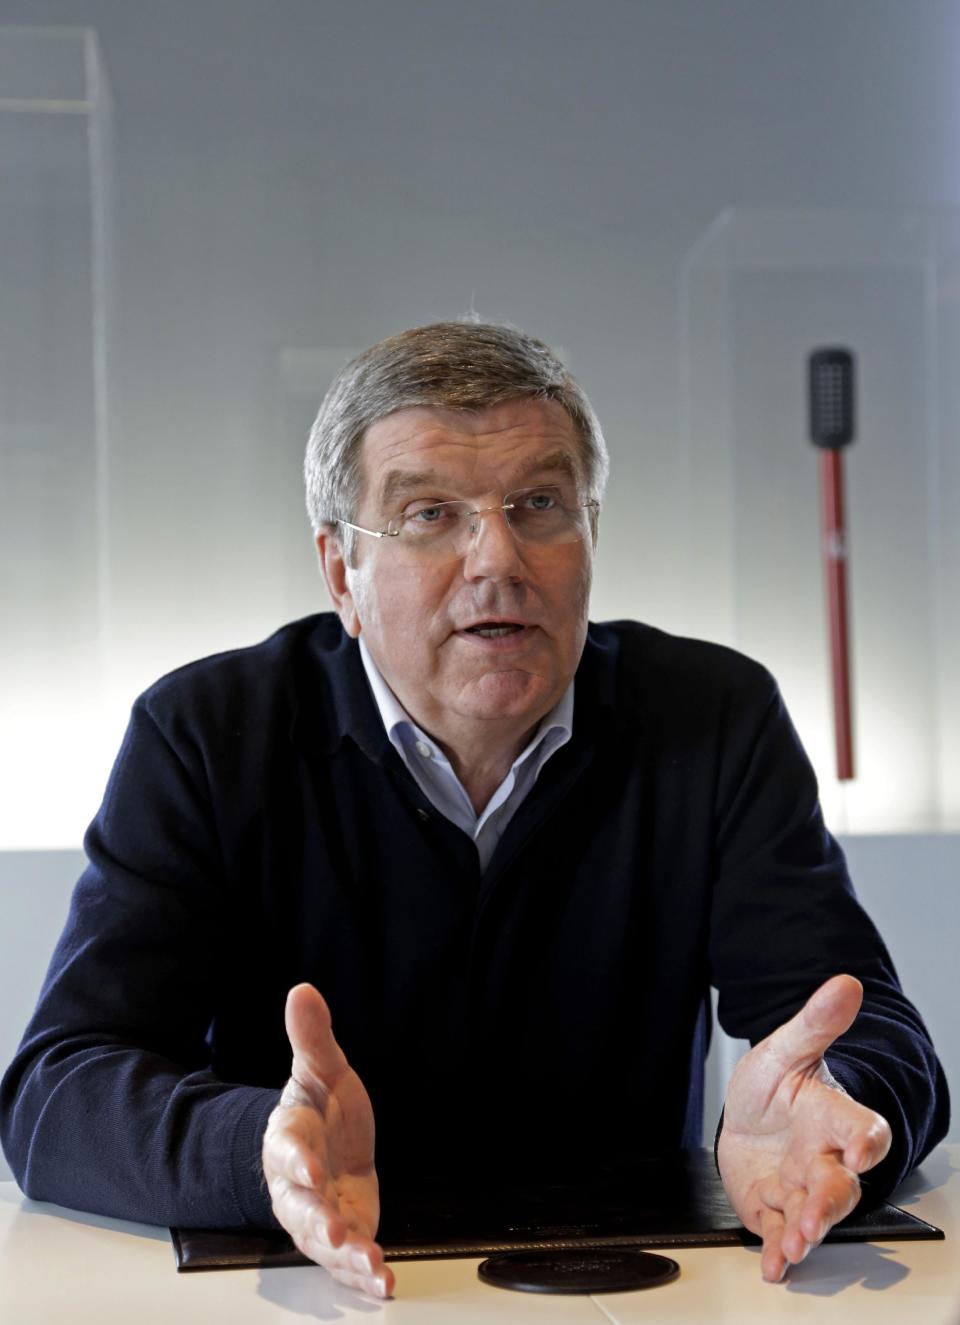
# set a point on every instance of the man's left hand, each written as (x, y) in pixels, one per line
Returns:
(793, 1141)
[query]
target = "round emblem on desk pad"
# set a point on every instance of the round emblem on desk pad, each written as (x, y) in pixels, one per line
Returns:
(618, 1271)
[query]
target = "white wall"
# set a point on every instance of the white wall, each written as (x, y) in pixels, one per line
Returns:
(293, 180)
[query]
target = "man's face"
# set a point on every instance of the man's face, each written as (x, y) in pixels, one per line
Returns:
(419, 616)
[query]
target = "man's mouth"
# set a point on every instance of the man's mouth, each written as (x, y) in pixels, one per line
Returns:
(494, 629)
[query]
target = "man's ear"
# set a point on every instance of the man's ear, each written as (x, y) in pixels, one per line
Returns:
(334, 570)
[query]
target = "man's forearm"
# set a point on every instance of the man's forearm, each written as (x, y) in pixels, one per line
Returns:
(118, 1131)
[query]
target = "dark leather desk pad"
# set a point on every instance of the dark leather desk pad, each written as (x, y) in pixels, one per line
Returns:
(678, 1202)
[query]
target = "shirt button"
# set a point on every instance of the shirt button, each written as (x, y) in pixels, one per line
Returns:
(424, 749)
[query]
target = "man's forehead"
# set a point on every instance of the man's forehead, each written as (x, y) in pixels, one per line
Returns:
(425, 437)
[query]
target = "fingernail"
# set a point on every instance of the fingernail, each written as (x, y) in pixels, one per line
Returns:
(783, 1273)
(361, 1261)
(303, 1176)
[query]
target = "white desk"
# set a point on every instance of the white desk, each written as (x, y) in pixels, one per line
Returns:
(58, 1266)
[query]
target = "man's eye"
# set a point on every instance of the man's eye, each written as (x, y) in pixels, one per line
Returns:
(543, 499)
(420, 514)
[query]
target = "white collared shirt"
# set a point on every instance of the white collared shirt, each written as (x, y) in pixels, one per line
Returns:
(433, 772)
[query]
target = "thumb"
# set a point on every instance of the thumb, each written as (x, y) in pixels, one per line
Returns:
(318, 1061)
(827, 1013)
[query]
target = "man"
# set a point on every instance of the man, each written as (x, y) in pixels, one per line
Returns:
(512, 852)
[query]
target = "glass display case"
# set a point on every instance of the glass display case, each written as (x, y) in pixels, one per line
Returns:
(759, 292)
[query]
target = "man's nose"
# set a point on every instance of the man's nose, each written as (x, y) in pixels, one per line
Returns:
(493, 552)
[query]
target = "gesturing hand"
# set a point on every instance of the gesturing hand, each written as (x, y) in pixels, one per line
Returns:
(318, 1153)
(793, 1141)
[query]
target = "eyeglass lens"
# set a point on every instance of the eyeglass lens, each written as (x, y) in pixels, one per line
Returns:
(544, 515)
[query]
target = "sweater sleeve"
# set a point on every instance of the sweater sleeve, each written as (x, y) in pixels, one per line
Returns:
(110, 1104)
(785, 918)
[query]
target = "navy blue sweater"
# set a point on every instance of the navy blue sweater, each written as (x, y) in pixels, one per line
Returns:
(258, 830)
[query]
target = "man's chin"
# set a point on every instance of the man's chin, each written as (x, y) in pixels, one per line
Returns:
(505, 695)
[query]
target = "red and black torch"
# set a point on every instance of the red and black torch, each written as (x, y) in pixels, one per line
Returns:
(832, 426)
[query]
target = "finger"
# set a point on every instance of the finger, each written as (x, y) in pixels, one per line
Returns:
(380, 1284)
(317, 1058)
(306, 1215)
(805, 1215)
(832, 1192)
(794, 1242)
(827, 1013)
(773, 1263)
(357, 1263)
(294, 1144)
(318, 1230)
(867, 1145)
(810, 1208)
(292, 1158)
(859, 1136)
(774, 1197)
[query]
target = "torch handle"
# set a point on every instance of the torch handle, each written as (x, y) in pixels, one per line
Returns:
(835, 565)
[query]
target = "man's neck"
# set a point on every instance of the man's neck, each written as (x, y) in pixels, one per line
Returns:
(491, 756)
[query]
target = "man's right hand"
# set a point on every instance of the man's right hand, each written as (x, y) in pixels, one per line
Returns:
(318, 1153)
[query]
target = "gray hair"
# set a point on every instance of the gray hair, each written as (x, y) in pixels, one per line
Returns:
(452, 365)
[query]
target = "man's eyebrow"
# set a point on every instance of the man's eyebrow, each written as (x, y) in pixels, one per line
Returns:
(398, 482)
(555, 462)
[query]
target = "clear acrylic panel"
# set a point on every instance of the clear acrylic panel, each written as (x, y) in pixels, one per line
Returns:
(759, 292)
(54, 293)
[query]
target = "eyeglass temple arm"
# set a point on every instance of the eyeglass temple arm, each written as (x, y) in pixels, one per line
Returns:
(374, 533)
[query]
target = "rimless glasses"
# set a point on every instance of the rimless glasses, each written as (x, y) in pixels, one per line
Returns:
(544, 516)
